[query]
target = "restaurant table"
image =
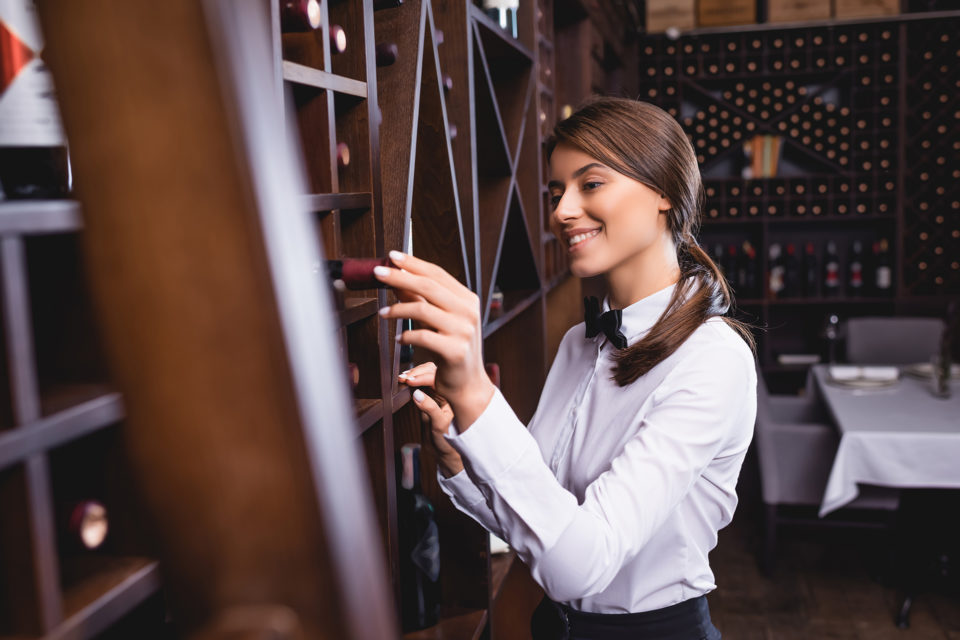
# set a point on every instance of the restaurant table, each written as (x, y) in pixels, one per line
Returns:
(898, 436)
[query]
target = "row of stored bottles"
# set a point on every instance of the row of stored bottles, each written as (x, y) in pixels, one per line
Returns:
(804, 270)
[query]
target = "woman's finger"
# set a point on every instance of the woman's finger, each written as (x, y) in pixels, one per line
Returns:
(430, 407)
(448, 348)
(426, 314)
(421, 375)
(437, 293)
(414, 264)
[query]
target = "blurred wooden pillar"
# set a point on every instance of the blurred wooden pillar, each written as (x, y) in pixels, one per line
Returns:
(200, 258)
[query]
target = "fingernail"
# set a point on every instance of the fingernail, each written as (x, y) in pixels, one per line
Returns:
(381, 270)
(418, 396)
(397, 256)
(384, 311)
(403, 376)
(399, 337)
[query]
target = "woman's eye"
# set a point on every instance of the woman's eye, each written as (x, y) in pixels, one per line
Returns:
(590, 186)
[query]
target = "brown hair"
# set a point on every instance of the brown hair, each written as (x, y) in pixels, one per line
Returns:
(643, 142)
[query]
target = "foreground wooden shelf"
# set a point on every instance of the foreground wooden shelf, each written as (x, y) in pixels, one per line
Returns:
(500, 564)
(468, 626)
(29, 217)
(302, 74)
(72, 412)
(356, 309)
(107, 589)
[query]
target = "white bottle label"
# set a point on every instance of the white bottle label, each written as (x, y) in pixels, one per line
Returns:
(28, 105)
(884, 277)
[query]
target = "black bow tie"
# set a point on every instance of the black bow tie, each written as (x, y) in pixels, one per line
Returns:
(607, 322)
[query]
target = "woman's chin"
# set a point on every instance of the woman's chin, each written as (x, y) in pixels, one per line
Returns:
(582, 269)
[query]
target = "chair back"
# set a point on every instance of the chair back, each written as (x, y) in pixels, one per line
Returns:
(904, 340)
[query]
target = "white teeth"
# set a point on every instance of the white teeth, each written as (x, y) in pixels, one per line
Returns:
(580, 237)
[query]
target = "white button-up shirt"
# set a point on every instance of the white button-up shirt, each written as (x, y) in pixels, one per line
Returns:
(614, 495)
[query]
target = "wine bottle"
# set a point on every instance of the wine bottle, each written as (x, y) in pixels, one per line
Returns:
(883, 272)
(84, 525)
(831, 270)
(343, 155)
(775, 279)
(33, 149)
(353, 374)
(419, 540)
(299, 15)
(811, 273)
(380, 5)
(855, 269)
(386, 54)
(791, 272)
(749, 284)
(338, 39)
(357, 273)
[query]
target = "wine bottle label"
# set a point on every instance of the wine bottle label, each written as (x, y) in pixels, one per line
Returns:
(884, 277)
(28, 107)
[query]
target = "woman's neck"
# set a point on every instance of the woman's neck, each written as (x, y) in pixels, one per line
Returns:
(643, 274)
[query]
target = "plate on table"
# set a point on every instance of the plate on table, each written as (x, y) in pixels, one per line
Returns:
(924, 370)
(855, 377)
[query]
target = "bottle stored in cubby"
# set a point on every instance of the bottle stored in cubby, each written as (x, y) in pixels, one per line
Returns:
(338, 39)
(748, 270)
(83, 525)
(33, 149)
(299, 15)
(792, 277)
(730, 265)
(777, 269)
(357, 273)
(419, 540)
(343, 155)
(386, 54)
(882, 270)
(855, 269)
(811, 272)
(831, 270)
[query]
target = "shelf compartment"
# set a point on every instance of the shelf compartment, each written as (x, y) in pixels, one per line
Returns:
(368, 411)
(466, 626)
(63, 426)
(39, 217)
(103, 591)
(310, 77)
(498, 38)
(320, 202)
(499, 568)
(357, 309)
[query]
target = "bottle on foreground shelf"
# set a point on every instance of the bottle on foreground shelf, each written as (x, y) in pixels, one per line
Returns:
(84, 525)
(33, 149)
(299, 15)
(357, 273)
(419, 546)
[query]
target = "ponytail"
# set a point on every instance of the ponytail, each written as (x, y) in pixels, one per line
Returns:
(701, 293)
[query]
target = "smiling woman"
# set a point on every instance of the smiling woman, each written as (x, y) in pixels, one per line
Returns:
(614, 493)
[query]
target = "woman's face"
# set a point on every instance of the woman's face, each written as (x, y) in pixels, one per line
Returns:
(605, 219)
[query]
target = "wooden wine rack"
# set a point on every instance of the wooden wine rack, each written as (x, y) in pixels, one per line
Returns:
(870, 175)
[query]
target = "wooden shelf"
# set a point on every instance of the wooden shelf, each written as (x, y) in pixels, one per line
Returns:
(511, 313)
(368, 411)
(308, 76)
(507, 42)
(467, 626)
(108, 589)
(81, 418)
(28, 217)
(500, 564)
(339, 201)
(840, 300)
(357, 309)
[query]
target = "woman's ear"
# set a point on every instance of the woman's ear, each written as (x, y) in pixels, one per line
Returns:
(663, 204)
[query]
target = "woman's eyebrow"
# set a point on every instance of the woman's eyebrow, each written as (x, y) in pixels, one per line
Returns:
(576, 174)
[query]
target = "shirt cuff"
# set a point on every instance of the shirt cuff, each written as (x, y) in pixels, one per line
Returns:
(460, 489)
(494, 443)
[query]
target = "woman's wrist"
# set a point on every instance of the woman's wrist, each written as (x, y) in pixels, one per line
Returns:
(450, 466)
(471, 403)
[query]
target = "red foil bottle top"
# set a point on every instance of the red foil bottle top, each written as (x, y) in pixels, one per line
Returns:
(358, 272)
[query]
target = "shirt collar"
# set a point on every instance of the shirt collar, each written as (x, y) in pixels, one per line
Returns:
(640, 316)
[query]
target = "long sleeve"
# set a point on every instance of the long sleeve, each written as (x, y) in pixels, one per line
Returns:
(574, 548)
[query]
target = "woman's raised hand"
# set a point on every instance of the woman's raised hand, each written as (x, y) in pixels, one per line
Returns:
(450, 315)
(437, 412)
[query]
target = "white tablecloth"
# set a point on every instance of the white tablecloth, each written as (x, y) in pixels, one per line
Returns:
(900, 436)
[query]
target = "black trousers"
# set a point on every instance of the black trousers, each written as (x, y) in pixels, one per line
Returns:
(687, 620)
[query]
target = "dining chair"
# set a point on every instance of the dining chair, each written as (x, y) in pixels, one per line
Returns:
(892, 340)
(796, 445)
